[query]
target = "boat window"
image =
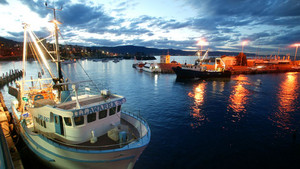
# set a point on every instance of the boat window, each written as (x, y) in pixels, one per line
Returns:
(51, 117)
(91, 117)
(68, 121)
(79, 120)
(56, 119)
(102, 114)
(119, 108)
(112, 111)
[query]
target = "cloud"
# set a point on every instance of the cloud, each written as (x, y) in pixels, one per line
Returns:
(37, 7)
(3, 2)
(224, 23)
(286, 38)
(80, 15)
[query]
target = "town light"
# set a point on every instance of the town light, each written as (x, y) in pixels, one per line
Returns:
(296, 45)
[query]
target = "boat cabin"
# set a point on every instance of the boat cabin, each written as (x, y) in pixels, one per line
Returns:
(67, 123)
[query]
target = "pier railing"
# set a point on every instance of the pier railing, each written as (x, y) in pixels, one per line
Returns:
(10, 76)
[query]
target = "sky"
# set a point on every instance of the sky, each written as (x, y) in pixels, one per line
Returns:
(269, 26)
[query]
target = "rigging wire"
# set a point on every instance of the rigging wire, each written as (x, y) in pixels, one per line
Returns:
(80, 64)
(89, 77)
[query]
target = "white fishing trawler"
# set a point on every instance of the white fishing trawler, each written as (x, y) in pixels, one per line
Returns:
(151, 67)
(70, 124)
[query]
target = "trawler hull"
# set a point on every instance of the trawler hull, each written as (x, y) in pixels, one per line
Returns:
(56, 155)
(192, 74)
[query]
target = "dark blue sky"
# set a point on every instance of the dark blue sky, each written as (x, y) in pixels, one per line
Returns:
(268, 25)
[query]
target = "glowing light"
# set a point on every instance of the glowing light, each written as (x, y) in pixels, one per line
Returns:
(296, 45)
(245, 42)
(50, 27)
(202, 42)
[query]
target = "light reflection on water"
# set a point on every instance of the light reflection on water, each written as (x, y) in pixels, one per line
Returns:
(238, 98)
(287, 95)
(198, 94)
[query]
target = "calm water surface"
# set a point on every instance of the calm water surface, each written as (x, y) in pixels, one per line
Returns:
(222, 123)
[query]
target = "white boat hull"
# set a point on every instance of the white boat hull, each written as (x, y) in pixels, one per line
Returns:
(59, 156)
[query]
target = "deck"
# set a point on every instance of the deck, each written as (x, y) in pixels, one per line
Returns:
(104, 142)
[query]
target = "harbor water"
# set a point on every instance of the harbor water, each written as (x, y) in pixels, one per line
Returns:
(246, 121)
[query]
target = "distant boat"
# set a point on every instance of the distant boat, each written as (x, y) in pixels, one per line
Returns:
(73, 124)
(199, 71)
(97, 60)
(69, 61)
(116, 60)
(105, 60)
(152, 67)
(139, 65)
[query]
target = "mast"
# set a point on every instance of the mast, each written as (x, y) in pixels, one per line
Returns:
(57, 47)
(55, 22)
(60, 76)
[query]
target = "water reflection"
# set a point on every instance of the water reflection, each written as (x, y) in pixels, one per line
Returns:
(198, 95)
(238, 98)
(287, 96)
(218, 86)
(155, 79)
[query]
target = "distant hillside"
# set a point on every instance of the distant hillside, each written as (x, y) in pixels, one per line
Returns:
(132, 50)
(137, 50)
(8, 41)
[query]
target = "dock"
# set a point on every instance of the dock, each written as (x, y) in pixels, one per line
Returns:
(167, 67)
(236, 70)
(10, 76)
(9, 155)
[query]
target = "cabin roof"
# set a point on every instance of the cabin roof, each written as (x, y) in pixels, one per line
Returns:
(87, 101)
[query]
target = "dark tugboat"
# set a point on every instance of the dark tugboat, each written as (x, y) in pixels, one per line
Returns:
(199, 71)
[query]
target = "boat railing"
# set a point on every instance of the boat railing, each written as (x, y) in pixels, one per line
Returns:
(36, 84)
(144, 138)
(142, 121)
(84, 91)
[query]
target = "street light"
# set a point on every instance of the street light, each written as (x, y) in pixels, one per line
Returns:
(297, 44)
(245, 42)
(202, 42)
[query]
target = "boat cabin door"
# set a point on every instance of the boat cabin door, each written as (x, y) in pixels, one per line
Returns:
(59, 128)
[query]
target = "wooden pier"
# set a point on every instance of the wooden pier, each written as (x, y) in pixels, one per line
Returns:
(10, 152)
(10, 76)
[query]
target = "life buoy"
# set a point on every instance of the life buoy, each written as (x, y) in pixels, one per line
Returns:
(38, 97)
